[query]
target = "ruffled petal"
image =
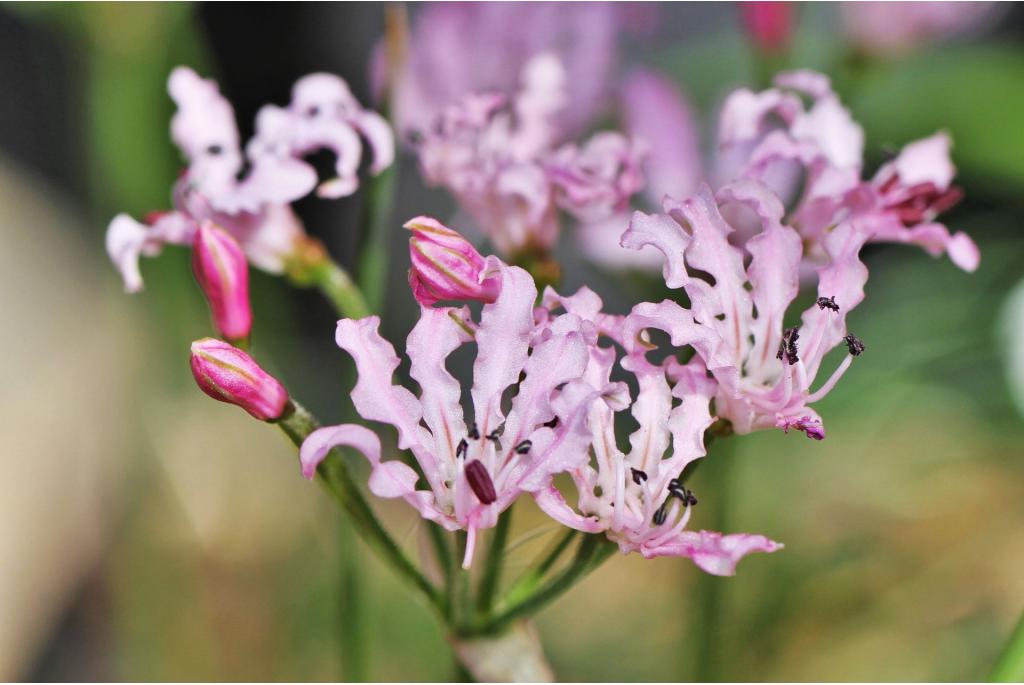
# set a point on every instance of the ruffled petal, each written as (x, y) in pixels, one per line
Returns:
(433, 339)
(502, 339)
(774, 272)
(378, 133)
(552, 503)
(726, 306)
(666, 235)
(712, 552)
(375, 397)
(321, 441)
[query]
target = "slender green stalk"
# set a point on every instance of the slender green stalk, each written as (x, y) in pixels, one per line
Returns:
(336, 285)
(591, 553)
(493, 564)
(529, 581)
(458, 583)
(706, 601)
(351, 632)
(1010, 667)
(334, 475)
(378, 205)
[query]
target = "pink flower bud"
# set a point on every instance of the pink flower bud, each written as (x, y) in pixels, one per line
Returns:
(445, 266)
(769, 24)
(228, 374)
(221, 269)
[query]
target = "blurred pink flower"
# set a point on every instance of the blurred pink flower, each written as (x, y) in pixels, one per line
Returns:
(222, 272)
(254, 209)
(228, 374)
(323, 114)
(473, 471)
(461, 48)
(884, 28)
(772, 129)
(500, 161)
(638, 499)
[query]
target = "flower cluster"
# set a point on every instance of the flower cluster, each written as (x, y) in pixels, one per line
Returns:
(501, 160)
(545, 399)
(252, 207)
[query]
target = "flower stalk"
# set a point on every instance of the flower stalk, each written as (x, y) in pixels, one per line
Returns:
(1010, 667)
(333, 474)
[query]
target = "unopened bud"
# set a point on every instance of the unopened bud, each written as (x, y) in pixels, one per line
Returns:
(228, 374)
(769, 24)
(223, 273)
(445, 266)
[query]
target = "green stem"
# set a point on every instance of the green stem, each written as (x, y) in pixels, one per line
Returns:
(529, 581)
(1010, 667)
(458, 582)
(493, 564)
(334, 475)
(351, 631)
(336, 285)
(708, 596)
(375, 239)
(591, 553)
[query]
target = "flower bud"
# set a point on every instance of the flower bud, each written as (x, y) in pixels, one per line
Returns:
(769, 24)
(221, 269)
(228, 374)
(445, 266)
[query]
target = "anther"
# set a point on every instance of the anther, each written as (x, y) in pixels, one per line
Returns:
(552, 423)
(480, 482)
(638, 476)
(678, 490)
(474, 433)
(214, 150)
(462, 448)
(495, 435)
(827, 303)
(661, 514)
(854, 345)
(524, 447)
(787, 346)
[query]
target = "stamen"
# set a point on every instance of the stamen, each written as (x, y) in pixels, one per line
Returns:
(678, 490)
(462, 448)
(827, 303)
(854, 344)
(662, 513)
(495, 435)
(787, 346)
(638, 476)
(480, 482)
(524, 447)
(474, 433)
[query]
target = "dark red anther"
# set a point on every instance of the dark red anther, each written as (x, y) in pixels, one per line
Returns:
(480, 482)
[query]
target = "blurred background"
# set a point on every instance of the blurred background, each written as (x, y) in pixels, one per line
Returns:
(147, 533)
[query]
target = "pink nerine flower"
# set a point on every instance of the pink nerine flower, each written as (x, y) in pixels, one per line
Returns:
(764, 371)
(460, 48)
(228, 374)
(771, 132)
(254, 209)
(222, 272)
(501, 163)
(324, 114)
(445, 266)
(638, 499)
(473, 469)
